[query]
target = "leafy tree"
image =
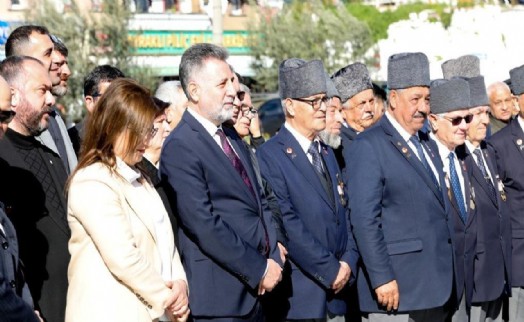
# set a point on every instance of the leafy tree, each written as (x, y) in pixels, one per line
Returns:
(92, 38)
(307, 30)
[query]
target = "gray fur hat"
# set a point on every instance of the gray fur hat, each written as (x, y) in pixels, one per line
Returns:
(477, 91)
(352, 80)
(464, 66)
(331, 89)
(517, 80)
(408, 70)
(449, 95)
(298, 78)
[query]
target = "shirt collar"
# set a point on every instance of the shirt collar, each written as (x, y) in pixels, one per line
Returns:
(304, 142)
(131, 175)
(521, 122)
(396, 125)
(471, 147)
(207, 124)
(443, 150)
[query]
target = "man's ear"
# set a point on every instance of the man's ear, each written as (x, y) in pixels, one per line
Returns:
(194, 92)
(15, 98)
(432, 119)
(290, 107)
(393, 99)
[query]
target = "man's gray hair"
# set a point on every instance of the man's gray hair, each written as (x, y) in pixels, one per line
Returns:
(168, 91)
(193, 59)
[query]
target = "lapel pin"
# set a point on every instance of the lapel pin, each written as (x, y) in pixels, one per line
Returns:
(404, 150)
(519, 142)
(289, 150)
(398, 143)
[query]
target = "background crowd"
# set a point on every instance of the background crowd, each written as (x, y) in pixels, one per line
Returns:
(170, 206)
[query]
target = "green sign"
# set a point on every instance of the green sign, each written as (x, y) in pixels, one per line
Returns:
(175, 42)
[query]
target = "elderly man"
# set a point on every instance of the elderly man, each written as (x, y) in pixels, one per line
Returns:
(172, 93)
(449, 121)
(36, 42)
(492, 264)
(501, 106)
(95, 84)
(227, 237)
(398, 208)
(509, 147)
(16, 303)
(305, 177)
(34, 193)
(356, 95)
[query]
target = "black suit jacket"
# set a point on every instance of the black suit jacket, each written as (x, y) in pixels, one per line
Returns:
(15, 301)
(509, 150)
(492, 264)
(43, 234)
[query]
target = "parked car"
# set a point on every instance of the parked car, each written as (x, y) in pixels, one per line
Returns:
(271, 116)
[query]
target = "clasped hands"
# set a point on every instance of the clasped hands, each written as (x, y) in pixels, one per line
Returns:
(177, 306)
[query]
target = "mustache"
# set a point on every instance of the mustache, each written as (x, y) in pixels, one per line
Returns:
(421, 114)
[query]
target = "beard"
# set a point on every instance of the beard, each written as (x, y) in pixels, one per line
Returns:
(333, 140)
(31, 118)
(222, 115)
(59, 90)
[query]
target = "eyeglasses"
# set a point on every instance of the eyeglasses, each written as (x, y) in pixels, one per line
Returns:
(455, 121)
(153, 132)
(7, 116)
(315, 103)
(147, 133)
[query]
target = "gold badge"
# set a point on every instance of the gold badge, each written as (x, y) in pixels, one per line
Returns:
(519, 142)
(289, 150)
(404, 150)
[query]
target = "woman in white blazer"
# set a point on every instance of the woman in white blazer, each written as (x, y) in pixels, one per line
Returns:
(124, 264)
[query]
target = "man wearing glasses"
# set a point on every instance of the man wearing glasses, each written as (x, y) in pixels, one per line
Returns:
(303, 173)
(449, 122)
(398, 211)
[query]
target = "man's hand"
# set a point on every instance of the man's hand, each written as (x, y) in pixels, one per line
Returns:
(254, 126)
(388, 296)
(38, 316)
(180, 305)
(272, 277)
(344, 272)
(283, 252)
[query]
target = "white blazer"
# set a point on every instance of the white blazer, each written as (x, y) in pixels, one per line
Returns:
(115, 268)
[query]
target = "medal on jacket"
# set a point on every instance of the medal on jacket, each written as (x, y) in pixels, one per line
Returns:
(500, 186)
(340, 190)
(472, 198)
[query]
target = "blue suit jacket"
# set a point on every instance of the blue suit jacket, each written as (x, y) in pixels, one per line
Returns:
(509, 149)
(222, 237)
(319, 230)
(16, 303)
(400, 220)
(465, 234)
(492, 265)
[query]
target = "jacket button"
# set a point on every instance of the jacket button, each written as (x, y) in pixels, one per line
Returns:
(149, 307)
(5, 245)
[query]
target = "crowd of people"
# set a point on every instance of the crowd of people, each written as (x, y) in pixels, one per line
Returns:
(171, 206)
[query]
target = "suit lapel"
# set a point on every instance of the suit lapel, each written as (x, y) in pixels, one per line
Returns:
(212, 147)
(135, 198)
(477, 175)
(296, 155)
(403, 148)
(518, 136)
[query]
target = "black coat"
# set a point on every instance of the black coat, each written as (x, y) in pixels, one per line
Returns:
(42, 232)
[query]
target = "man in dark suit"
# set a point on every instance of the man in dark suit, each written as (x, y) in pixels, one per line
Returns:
(16, 303)
(492, 256)
(95, 84)
(227, 237)
(34, 193)
(398, 210)
(358, 100)
(305, 177)
(509, 149)
(449, 121)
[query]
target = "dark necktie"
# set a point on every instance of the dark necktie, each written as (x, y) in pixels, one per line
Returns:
(316, 159)
(235, 161)
(420, 152)
(455, 185)
(482, 167)
(237, 164)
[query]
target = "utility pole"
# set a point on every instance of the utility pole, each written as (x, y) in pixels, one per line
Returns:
(218, 25)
